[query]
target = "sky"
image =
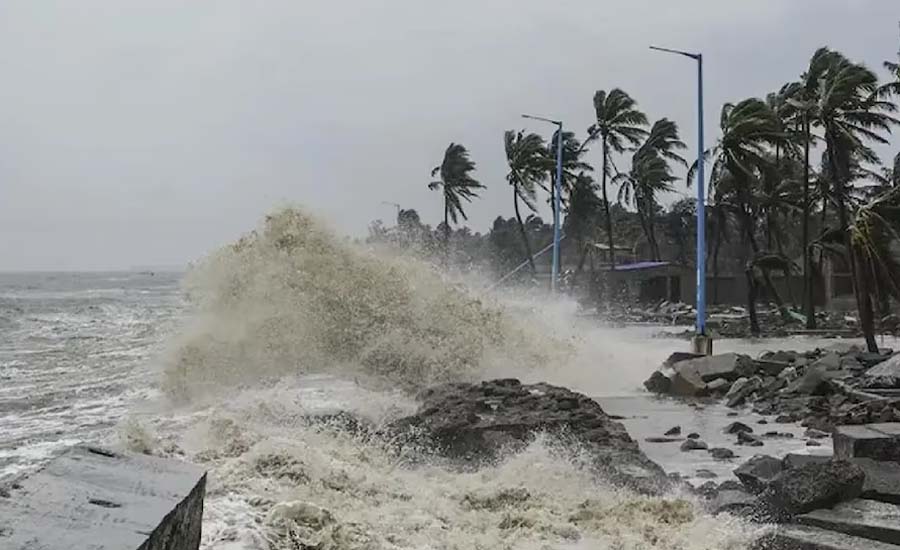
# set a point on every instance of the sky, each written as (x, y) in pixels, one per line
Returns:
(148, 133)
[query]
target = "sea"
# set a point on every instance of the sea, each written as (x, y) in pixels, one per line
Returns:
(224, 364)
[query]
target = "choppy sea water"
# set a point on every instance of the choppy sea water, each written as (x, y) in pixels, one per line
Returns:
(222, 369)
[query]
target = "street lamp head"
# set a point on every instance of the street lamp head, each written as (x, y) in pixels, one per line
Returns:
(679, 52)
(551, 121)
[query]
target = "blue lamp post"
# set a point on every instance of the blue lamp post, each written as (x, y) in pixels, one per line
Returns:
(554, 273)
(702, 343)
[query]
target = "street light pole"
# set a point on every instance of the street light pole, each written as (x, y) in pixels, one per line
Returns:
(702, 343)
(554, 272)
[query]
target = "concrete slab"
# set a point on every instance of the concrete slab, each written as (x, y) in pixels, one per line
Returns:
(867, 519)
(805, 537)
(875, 441)
(96, 499)
(882, 478)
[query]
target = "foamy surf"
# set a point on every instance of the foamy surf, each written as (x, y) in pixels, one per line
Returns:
(291, 321)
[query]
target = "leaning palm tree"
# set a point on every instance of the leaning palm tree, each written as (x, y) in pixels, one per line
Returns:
(582, 216)
(650, 175)
(852, 112)
(457, 183)
(619, 124)
(527, 160)
(749, 129)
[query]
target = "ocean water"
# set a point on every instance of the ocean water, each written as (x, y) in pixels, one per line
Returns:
(223, 366)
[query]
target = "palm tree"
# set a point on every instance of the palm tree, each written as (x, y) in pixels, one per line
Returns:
(749, 128)
(651, 174)
(582, 216)
(457, 183)
(852, 110)
(619, 125)
(527, 160)
(718, 220)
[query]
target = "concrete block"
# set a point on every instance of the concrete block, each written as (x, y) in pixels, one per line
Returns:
(805, 537)
(96, 499)
(875, 441)
(867, 519)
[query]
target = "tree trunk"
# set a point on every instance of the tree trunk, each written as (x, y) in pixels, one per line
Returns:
(522, 231)
(643, 219)
(651, 222)
(809, 306)
(609, 234)
(788, 279)
(751, 301)
(770, 288)
(446, 232)
(864, 300)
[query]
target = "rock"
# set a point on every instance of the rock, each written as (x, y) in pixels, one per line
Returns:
(813, 433)
(812, 486)
(876, 441)
(790, 373)
(770, 367)
(721, 453)
(813, 382)
(796, 460)
(813, 443)
(778, 435)
(738, 397)
(732, 413)
(708, 489)
(736, 386)
(749, 440)
(729, 366)
(694, 445)
(477, 423)
(706, 474)
(719, 385)
(731, 485)
(781, 356)
(882, 480)
(821, 423)
(678, 357)
(687, 384)
(869, 359)
(693, 435)
(757, 472)
(875, 521)
(762, 421)
(658, 383)
(662, 439)
(785, 419)
(842, 348)
(888, 368)
(673, 431)
(735, 502)
(736, 427)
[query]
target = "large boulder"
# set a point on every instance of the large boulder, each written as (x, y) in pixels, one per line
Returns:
(812, 486)
(658, 383)
(884, 374)
(757, 472)
(729, 366)
(478, 423)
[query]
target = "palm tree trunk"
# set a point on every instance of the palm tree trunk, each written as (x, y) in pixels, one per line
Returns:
(788, 279)
(522, 232)
(446, 232)
(644, 228)
(767, 280)
(609, 234)
(716, 268)
(651, 223)
(808, 303)
(864, 300)
(751, 301)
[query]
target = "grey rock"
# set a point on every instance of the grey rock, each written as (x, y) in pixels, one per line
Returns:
(882, 480)
(731, 413)
(749, 440)
(477, 423)
(678, 357)
(756, 473)
(658, 383)
(888, 368)
(737, 398)
(731, 485)
(770, 367)
(687, 383)
(735, 502)
(778, 435)
(812, 486)
(719, 385)
(694, 445)
(706, 474)
(721, 453)
(708, 489)
(796, 460)
(736, 427)
(693, 435)
(673, 431)
(805, 537)
(813, 433)
(729, 366)
(662, 439)
(736, 386)
(788, 374)
(762, 421)
(813, 443)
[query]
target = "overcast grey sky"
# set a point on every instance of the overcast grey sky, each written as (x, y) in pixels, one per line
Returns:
(146, 133)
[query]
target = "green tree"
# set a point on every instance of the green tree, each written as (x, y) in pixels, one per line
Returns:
(457, 184)
(651, 174)
(583, 214)
(852, 112)
(619, 124)
(526, 156)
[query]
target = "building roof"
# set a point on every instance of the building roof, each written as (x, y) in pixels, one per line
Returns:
(640, 266)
